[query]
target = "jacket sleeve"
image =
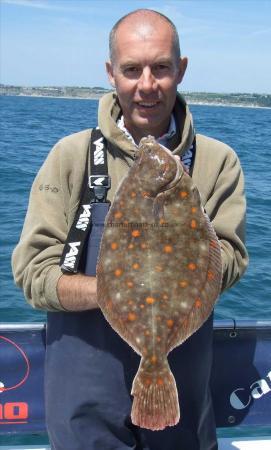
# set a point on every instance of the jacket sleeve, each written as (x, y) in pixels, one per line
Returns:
(226, 208)
(35, 260)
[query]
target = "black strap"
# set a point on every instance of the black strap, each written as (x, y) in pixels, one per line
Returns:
(99, 181)
(188, 157)
(94, 189)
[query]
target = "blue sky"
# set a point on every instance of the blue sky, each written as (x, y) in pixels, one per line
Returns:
(64, 42)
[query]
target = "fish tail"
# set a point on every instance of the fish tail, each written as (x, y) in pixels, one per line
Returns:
(155, 405)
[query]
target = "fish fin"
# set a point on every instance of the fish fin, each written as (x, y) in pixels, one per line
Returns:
(158, 208)
(155, 405)
(208, 293)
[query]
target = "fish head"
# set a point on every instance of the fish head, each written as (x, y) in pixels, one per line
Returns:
(157, 166)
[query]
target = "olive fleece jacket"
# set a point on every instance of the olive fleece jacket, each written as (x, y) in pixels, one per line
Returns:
(56, 190)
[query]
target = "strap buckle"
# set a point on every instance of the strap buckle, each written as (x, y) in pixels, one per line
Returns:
(100, 185)
(99, 180)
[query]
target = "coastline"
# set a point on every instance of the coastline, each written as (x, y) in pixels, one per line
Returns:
(97, 97)
(230, 105)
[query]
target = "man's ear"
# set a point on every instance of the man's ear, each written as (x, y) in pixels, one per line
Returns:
(182, 68)
(109, 70)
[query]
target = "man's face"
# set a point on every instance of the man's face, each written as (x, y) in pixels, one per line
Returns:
(145, 73)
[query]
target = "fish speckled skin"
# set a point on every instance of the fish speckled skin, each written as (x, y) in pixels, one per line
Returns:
(158, 274)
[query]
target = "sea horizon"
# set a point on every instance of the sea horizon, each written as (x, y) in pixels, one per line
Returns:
(194, 103)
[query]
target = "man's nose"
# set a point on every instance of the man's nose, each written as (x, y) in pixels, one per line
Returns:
(147, 82)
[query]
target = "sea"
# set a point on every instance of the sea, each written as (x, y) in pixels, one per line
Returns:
(30, 126)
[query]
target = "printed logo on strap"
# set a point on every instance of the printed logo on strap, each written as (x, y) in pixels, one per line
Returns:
(84, 218)
(99, 151)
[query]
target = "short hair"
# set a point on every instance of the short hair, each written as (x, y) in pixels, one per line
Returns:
(113, 32)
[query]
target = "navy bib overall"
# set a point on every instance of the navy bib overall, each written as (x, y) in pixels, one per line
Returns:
(89, 374)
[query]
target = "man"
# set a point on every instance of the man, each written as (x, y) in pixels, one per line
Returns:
(89, 369)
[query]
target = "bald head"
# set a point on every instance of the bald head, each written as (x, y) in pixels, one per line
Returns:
(143, 22)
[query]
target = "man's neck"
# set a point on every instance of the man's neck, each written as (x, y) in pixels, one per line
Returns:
(136, 135)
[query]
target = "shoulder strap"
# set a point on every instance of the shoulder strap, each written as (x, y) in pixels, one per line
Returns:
(188, 157)
(94, 189)
(99, 180)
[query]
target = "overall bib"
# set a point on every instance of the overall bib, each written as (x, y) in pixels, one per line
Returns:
(89, 371)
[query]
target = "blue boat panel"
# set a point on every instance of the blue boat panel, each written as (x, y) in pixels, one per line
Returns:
(241, 376)
(21, 381)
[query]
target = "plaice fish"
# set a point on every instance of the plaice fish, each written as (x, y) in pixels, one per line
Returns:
(158, 274)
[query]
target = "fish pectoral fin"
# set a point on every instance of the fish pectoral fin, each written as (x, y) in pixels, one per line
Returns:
(158, 208)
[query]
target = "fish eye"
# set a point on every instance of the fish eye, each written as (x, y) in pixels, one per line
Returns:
(148, 149)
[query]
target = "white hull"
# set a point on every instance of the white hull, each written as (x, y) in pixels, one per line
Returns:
(263, 443)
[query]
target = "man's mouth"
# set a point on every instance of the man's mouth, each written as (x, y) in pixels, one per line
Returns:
(147, 105)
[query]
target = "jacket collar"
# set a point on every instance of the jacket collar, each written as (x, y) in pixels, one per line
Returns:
(163, 140)
(110, 112)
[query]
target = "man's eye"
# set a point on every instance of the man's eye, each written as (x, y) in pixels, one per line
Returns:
(131, 71)
(160, 68)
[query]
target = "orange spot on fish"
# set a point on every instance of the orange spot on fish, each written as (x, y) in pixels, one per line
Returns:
(210, 275)
(135, 266)
(162, 221)
(130, 302)
(198, 303)
(160, 381)
(147, 333)
(165, 297)
(118, 272)
(158, 268)
(142, 306)
(192, 266)
(133, 194)
(130, 284)
(114, 245)
(153, 359)
(183, 194)
(132, 317)
(150, 300)
(118, 215)
(193, 210)
(168, 249)
(136, 233)
(170, 323)
(130, 246)
(145, 194)
(193, 224)
(158, 339)
(183, 283)
(147, 381)
(143, 245)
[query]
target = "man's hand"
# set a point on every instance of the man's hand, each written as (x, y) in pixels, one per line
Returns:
(77, 292)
